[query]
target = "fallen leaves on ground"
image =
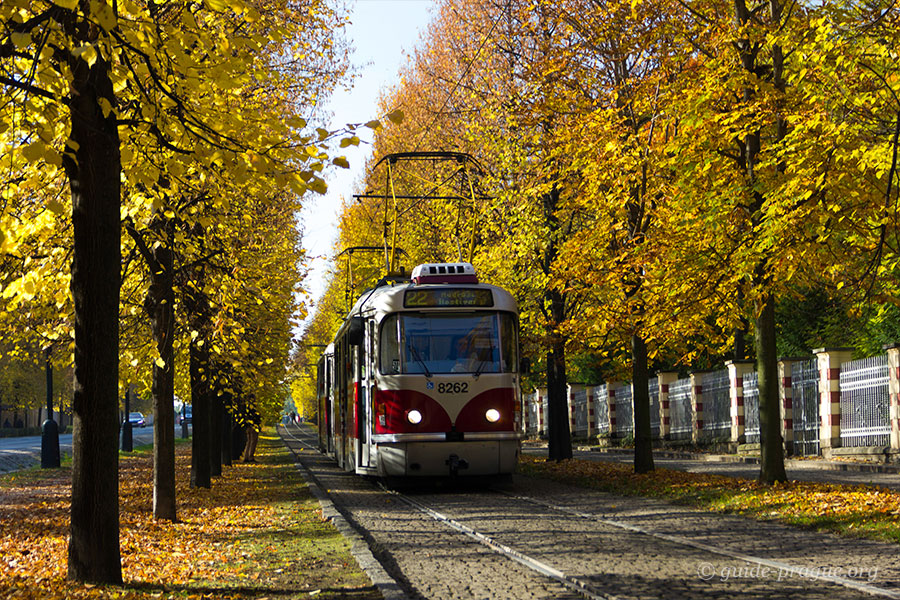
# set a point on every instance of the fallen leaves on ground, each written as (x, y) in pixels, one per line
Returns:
(257, 532)
(866, 511)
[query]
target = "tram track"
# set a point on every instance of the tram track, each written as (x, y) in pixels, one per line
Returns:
(610, 558)
(577, 585)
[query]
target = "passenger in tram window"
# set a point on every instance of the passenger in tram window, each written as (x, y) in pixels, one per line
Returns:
(466, 356)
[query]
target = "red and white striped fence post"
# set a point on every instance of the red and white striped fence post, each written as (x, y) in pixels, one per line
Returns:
(893, 352)
(829, 362)
(786, 394)
(611, 403)
(542, 419)
(665, 378)
(736, 371)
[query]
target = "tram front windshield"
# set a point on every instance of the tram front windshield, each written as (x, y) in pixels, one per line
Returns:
(427, 343)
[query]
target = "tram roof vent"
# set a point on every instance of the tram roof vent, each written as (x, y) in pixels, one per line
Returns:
(444, 273)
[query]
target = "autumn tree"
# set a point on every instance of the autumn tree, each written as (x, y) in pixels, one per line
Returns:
(79, 71)
(739, 155)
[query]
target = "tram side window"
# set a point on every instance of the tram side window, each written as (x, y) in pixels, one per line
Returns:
(508, 335)
(390, 345)
(362, 358)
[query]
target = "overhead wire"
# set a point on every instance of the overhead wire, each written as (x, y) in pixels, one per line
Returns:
(461, 77)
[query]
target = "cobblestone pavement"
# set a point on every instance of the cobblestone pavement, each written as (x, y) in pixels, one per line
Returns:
(633, 547)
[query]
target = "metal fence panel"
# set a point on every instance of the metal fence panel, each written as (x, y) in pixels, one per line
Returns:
(601, 409)
(751, 408)
(653, 389)
(624, 411)
(579, 412)
(716, 405)
(545, 405)
(805, 407)
(680, 409)
(533, 414)
(865, 402)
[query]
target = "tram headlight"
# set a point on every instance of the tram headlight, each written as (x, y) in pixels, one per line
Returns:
(492, 415)
(414, 417)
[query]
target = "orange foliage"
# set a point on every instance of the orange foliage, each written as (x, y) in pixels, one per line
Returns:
(157, 556)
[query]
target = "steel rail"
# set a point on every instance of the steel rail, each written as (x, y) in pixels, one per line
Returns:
(575, 584)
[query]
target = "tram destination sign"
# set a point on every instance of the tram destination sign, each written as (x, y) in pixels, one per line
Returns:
(447, 297)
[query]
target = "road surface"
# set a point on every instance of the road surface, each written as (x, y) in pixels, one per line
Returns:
(23, 452)
(533, 538)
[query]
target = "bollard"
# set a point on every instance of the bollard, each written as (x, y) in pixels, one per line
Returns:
(127, 437)
(49, 445)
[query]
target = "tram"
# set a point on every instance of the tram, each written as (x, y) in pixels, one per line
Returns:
(422, 378)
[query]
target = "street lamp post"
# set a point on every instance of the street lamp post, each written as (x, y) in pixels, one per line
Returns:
(49, 430)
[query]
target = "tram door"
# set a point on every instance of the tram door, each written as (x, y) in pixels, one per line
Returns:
(329, 402)
(344, 363)
(364, 405)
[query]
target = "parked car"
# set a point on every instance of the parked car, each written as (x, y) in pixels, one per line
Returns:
(185, 415)
(136, 419)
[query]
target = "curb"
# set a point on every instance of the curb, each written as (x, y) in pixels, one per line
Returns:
(359, 548)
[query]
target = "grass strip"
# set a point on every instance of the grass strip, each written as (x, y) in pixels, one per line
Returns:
(855, 510)
(257, 533)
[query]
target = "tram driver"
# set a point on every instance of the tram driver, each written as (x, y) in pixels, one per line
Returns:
(466, 356)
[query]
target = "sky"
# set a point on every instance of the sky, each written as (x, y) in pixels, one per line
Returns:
(382, 33)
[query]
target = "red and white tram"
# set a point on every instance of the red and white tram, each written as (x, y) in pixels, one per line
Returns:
(422, 378)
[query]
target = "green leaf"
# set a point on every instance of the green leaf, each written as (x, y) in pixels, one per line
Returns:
(396, 117)
(341, 162)
(34, 152)
(68, 4)
(21, 40)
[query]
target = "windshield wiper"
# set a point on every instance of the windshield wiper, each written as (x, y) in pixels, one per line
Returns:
(485, 362)
(415, 354)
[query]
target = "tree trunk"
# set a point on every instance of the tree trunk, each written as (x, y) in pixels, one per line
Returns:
(96, 262)
(643, 439)
(559, 438)
(161, 306)
(559, 435)
(771, 446)
(225, 426)
(215, 435)
(200, 441)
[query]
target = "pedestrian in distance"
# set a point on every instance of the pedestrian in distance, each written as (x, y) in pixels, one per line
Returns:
(253, 426)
